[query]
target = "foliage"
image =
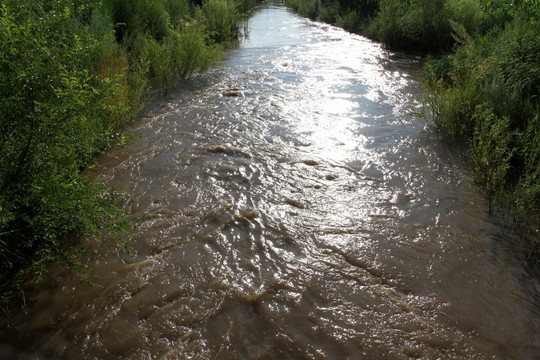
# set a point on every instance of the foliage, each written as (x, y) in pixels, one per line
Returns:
(348, 14)
(243, 6)
(185, 50)
(72, 72)
(132, 16)
(221, 19)
(330, 11)
(491, 152)
(487, 93)
(52, 108)
(167, 39)
(176, 10)
(348, 21)
(424, 24)
(306, 8)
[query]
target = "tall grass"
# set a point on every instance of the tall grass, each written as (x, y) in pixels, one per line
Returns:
(221, 19)
(306, 8)
(487, 93)
(185, 50)
(172, 38)
(424, 24)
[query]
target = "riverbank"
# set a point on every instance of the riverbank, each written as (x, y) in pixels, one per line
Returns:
(72, 74)
(482, 85)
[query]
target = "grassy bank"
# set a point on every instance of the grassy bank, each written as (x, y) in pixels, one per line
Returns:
(72, 73)
(483, 80)
(486, 93)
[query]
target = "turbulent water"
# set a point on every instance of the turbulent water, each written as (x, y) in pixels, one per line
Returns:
(293, 208)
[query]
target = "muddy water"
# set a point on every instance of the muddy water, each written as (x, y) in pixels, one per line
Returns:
(292, 208)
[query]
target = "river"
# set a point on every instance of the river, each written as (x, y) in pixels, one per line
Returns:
(292, 207)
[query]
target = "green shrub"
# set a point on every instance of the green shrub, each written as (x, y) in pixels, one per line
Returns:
(499, 71)
(176, 10)
(159, 56)
(306, 8)
(469, 14)
(130, 16)
(349, 21)
(330, 11)
(221, 19)
(525, 198)
(491, 152)
(243, 6)
(56, 114)
(425, 24)
(194, 50)
(418, 24)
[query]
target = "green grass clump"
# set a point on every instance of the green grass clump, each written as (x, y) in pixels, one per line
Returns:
(186, 50)
(424, 25)
(221, 19)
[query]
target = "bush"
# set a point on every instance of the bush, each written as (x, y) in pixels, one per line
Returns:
(185, 50)
(306, 8)
(243, 6)
(491, 152)
(72, 72)
(194, 50)
(176, 10)
(221, 19)
(52, 108)
(330, 11)
(425, 24)
(349, 21)
(487, 93)
(131, 16)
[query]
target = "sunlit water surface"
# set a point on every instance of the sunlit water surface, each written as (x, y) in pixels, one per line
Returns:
(293, 208)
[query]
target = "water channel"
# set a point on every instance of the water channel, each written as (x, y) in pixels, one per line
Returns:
(293, 208)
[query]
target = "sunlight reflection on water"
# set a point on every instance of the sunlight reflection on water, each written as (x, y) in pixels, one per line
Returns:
(293, 209)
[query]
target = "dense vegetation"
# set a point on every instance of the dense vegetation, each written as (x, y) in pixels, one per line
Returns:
(486, 92)
(351, 15)
(483, 80)
(72, 72)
